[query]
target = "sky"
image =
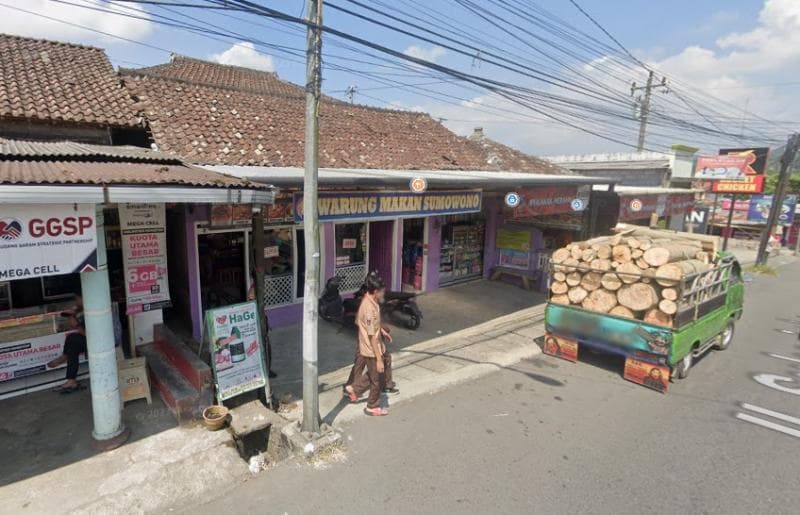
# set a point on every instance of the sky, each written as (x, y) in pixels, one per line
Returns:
(744, 52)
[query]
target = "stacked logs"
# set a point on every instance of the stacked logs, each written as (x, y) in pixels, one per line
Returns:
(634, 274)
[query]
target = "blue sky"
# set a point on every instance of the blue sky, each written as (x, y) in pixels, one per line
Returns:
(731, 49)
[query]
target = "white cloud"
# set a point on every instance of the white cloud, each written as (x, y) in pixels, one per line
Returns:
(431, 54)
(244, 54)
(33, 24)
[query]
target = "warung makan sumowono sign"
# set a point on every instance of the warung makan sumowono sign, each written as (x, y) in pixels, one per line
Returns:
(46, 239)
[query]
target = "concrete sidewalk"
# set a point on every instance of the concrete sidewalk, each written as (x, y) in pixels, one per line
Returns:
(430, 366)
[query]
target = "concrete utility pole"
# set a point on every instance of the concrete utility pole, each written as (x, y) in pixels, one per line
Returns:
(351, 92)
(310, 218)
(787, 159)
(259, 263)
(644, 108)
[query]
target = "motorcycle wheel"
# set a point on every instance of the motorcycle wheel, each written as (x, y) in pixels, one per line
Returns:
(413, 322)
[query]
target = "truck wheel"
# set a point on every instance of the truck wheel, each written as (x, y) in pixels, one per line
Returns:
(726, 337)
(683, 366)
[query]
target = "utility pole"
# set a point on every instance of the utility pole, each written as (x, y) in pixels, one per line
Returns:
(787, 159)
(351, 92)
(644, 107)
(310, 218)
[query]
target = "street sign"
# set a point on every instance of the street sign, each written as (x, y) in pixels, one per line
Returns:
(636, 205)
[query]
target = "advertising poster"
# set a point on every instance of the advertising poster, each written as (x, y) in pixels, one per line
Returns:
(144, 254)
(46, 239)
(513, 259)
(221, 215)
(728, 167)
(760, 205)
(236, 355)
(28, 357)
(647, 374)
(551, 200)
(750, 184)
(514, 239)
(560, 347)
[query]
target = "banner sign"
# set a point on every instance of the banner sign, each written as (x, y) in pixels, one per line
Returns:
(513, 259)
(647, 374)
(514, 239)
(560, 347)
(340, 205)
(144, 255)
(760, 205)
(757, 158)
(551, 200)
(636, 207)
(234, 337)
(46, 239)
(730, 167)
(28, 357)
(750, 184)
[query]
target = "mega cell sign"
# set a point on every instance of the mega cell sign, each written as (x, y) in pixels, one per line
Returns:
(144, 252)
(341, 205)
(42, 240)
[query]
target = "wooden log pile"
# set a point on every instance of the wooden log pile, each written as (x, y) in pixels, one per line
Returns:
(635, 273)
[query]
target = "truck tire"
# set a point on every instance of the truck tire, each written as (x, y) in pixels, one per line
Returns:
(726, 336)
(684, 365)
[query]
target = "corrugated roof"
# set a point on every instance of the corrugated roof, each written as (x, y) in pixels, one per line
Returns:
(119, 173)
(622, 166)
(50, 81)
(69, 150)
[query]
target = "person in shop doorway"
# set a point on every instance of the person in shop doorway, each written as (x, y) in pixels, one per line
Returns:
(251, 295)
(371, 349)
(74, 346)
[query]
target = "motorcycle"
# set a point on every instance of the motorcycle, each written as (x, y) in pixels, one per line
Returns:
(396, 305)
(404, 304)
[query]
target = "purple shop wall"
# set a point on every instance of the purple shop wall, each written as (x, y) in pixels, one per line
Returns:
(397, 283)
(195, 213)
(381, 249)
(434, 252)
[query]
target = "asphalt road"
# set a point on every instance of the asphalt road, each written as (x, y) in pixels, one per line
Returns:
(550, 437)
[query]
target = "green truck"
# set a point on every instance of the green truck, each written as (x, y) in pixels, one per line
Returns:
(709, 304)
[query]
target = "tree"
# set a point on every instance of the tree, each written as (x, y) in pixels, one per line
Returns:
(793, 187)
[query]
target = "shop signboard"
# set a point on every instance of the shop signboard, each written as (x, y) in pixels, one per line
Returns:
(642, 206)
(144, 254)
(28, 357)
(551, 200)
(342, 205)
(679, 204)
(46, 239)
(728, 167)
(280, 212)
(758, 211)
(514, 239)
(757, 158)
(236, 355)
(514, 259)
(750, 184)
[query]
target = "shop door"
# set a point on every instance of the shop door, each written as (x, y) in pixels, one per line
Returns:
(381, 235)
(222, 263)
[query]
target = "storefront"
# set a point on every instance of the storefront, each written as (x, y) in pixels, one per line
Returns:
(462, 244)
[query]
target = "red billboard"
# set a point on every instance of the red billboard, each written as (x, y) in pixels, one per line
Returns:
(551, 200)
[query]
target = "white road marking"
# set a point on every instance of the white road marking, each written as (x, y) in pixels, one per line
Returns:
(770, 413)
(771, 380)
(769, 425)
(787, 358)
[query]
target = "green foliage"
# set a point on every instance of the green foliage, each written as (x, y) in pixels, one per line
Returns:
(793, 187)
(761, 269)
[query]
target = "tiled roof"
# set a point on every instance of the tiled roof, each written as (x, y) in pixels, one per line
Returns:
(42, 163)
(504, 157)
(196, 71)
(216, 114)
(61, 82)
(71, 150)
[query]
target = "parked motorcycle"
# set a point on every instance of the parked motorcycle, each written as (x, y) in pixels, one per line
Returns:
(397, 305)
(405, 305)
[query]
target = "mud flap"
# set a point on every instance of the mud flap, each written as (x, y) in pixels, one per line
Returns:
(560, 347)
(647, 374)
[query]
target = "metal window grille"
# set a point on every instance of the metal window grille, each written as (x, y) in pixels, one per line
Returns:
(278, 289)
(352, 276)
(543, 260)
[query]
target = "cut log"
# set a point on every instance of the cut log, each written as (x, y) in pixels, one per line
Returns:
(611, 281)
(708, 243)
(633, 243)
(588, 255)
(615, 265)
(645, 244)
(603, 251)
(560, 255)
(559, 299)
(573, 279)
(667, 306)
(559, 288)
(622, 311)
(703, 256)
(624, 231)
(668, 253)
(636, 253)
(591, 281)
(641, 263)
(671, 273)
(576, 252)
(657, 317)
(559, 276)
(637, 296)
(600, 265)
(600, 300)
(569, 264)
(621, 253)
(669, 294)
(577, 295)
(629, 273)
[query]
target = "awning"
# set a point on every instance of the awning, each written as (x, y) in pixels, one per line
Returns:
(292, 177)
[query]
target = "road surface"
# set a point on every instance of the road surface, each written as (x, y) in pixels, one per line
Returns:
(548, 436)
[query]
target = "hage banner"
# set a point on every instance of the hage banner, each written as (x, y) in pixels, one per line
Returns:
(47, 239)
(144, 252)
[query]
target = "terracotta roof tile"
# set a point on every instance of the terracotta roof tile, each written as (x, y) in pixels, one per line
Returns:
(508, 158)
(61, 82)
